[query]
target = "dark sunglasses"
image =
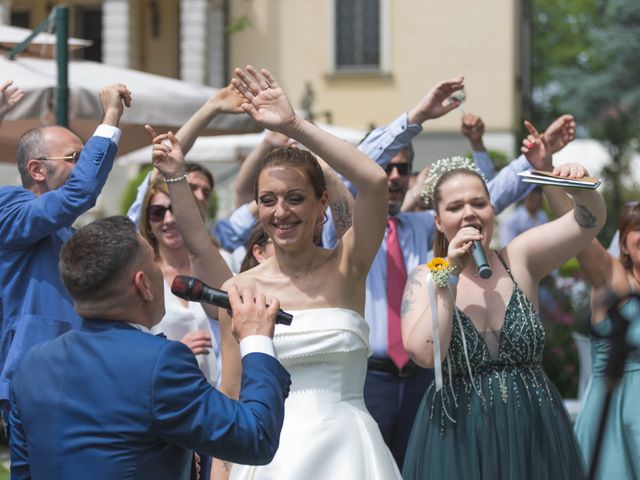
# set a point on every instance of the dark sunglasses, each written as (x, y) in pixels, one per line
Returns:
(402, 168)
(156, 213)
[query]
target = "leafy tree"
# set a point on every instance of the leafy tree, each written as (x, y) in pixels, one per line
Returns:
(585, 61)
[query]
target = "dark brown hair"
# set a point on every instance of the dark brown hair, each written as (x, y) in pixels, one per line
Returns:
(440, 243)
(629, 221)
(257, 237)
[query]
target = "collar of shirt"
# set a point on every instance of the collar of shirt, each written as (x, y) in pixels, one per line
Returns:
(142, 328)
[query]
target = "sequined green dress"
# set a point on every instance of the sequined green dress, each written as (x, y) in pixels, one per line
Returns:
(505, 421)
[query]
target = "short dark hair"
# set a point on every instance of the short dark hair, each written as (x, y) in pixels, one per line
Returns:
(95, 256)
(409, 152)
(191, 167)
(31, 145)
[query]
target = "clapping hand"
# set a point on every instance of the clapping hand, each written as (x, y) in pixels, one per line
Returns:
(537, 149)
(166, 154)
(265, 101)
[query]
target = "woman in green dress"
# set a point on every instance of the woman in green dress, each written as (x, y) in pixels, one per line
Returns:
(620, 453)
(492, 412)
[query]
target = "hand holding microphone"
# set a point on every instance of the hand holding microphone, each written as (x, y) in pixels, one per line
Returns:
(194, 290)
(459, 247)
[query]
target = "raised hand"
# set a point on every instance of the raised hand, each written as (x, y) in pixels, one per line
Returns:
(561, 132)
(536, 148)
(166, 153)
(10, 95)
(265, 101)
(473, 128)
(437, 102)
(113, 99)
(227, 100)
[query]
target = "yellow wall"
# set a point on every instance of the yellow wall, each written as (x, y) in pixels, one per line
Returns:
(429, 40)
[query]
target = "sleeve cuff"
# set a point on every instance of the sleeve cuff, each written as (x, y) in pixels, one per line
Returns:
(257, 344)
(108, 131)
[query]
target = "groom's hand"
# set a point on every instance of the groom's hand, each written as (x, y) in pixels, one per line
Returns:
(251, 315)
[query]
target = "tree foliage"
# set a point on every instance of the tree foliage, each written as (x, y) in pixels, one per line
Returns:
(585, 61)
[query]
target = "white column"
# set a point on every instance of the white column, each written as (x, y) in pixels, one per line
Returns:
(193, 40)
(5, 12)
(116, 34)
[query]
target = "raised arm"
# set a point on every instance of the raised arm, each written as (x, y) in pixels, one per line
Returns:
(206, 260)
(548, 246)
(595, 261)
(472, 127)
(269, 106)
(341, 202)
(225, 100)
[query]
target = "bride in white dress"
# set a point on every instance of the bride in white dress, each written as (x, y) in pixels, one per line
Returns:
(327, 430)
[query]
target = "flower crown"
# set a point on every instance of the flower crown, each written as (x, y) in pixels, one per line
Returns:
(443, 166)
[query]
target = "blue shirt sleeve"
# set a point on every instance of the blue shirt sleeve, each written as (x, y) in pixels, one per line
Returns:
(507, 188)
(484, 164)
(26, 218)
(234, 231)
(384, 143)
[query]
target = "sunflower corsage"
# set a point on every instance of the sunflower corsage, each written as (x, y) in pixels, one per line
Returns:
(440, 271)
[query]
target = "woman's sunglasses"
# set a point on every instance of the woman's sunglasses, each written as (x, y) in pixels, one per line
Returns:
(156, 213)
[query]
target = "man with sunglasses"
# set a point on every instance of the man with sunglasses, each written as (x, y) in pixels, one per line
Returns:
(394, 385)
(61, 179)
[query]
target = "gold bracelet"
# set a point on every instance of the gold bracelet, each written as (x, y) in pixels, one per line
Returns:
(177, 179)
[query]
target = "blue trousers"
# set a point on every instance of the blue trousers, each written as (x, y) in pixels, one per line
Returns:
(393, 402)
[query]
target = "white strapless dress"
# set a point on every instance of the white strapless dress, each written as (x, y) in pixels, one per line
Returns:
(328, 432)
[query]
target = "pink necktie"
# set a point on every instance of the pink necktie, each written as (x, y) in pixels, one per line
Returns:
(396, 280)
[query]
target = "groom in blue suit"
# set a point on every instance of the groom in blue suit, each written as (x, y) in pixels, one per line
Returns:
(112, 401)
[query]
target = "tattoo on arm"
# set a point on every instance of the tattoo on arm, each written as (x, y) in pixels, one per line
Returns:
(584, 217)
(342, 215)
(408, 298)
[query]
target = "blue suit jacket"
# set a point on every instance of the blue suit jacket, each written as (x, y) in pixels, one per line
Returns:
(34, 305)
(108, 401)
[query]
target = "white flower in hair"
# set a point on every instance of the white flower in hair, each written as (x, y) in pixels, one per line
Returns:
(443, 166)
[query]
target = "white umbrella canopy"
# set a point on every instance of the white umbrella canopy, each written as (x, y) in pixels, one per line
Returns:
(42, 44)
(231, 148)
(163, 102)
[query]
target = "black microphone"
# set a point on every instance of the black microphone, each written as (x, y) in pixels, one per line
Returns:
(480, 259)
(195, 290)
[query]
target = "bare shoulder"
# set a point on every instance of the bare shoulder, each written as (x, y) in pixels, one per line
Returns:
(242, 280)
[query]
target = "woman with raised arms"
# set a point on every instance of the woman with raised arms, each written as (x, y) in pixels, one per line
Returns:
(328, 432)
(492, 412)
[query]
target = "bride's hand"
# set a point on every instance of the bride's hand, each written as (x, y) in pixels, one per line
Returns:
(265, 101)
